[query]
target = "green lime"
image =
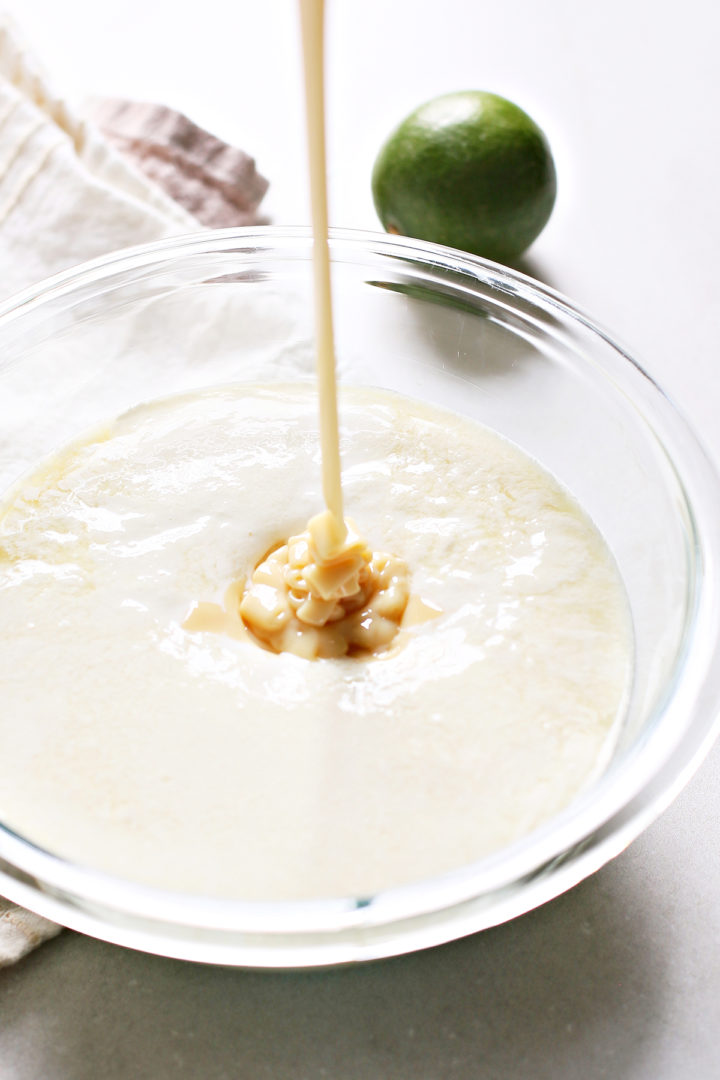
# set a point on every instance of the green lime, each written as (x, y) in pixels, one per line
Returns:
(470, 170)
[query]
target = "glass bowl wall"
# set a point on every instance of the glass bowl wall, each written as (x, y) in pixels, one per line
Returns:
(454, 331)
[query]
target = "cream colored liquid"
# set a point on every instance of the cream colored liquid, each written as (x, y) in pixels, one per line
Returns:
(312, 22)
(138, 741)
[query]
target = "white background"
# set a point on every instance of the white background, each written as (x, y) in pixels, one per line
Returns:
(621, 977)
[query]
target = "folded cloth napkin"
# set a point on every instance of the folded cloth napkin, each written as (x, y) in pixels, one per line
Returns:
(67, 195)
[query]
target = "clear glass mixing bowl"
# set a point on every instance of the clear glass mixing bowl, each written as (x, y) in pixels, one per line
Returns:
(464, 334)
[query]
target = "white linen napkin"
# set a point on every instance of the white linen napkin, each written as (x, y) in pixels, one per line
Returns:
(21, 932)
(66, 195)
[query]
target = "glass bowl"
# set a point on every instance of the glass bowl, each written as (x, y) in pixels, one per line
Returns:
(458, 332)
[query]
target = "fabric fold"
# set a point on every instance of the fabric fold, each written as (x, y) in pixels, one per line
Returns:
(21, 931)
(217, 183)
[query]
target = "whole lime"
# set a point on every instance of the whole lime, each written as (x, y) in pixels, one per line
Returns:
(470, 170)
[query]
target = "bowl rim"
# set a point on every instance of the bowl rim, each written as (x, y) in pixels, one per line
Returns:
(592, 829)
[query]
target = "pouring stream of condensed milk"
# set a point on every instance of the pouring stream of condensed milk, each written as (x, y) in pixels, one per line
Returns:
(312, 22)
(324, 592)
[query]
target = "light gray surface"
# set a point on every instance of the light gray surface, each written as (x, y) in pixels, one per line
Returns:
(617, 978)
(621, 977)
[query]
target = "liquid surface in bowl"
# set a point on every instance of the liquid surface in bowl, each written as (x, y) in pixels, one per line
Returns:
(193, 759)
